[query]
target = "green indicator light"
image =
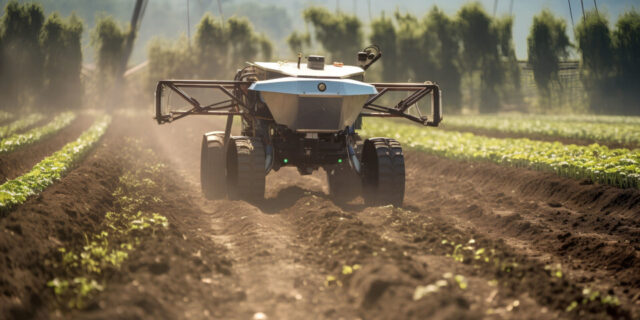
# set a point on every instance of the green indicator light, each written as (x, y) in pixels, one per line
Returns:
(286, 160)
(339, 160)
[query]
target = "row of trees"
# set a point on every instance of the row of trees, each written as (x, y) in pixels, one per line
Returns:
(611, 67)
(40, 58)
(472, 47)
(469, 54)
(610, 64)
(217, 51)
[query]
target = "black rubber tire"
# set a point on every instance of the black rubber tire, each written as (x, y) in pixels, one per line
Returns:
(213, 176)
(246, 169)
(344, 183)
(383, 172)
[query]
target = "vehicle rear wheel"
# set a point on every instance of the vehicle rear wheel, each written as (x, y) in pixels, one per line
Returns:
(383, 172)
(245, 168)
(213, 176)
(344, 183)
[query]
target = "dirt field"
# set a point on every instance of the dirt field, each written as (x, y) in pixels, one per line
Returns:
(472, 241)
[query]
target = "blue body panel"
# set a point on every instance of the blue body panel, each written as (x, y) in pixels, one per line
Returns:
(309, 86)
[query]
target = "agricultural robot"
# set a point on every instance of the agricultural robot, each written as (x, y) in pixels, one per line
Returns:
(303, 115)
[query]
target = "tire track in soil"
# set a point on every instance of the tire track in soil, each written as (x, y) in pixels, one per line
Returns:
(17, 163)
(269, 262)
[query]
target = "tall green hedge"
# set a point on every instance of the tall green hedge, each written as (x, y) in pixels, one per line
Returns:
(41, 59)
(216, 51)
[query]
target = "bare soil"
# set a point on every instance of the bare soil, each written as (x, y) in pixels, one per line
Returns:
(300, 255)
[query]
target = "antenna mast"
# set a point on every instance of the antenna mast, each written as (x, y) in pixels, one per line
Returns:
(188, 26)
(571, 15)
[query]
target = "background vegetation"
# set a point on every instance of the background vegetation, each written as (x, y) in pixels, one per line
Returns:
(470, 53)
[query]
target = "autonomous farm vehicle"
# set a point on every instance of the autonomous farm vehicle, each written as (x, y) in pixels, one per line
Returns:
(303, 115)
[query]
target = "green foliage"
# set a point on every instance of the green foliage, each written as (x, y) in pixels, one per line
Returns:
(108, 38)
(217, 52)
(340, 34)
(383, 34)
(610, 64)
(511, 87)
(485, 44)
(171, 60)
(617, 167)
(626, 41)
(20, 124)
(578, 128)
(298, 42)
(242, 40)
(419, 50)
(21, 56)
(417, 61)
(266, 47)
(446, 48)
(594, 42)
(475, 31)
(40, 60)
(547, 44)
(51, 168)
(274, 20)
(34, 135)
(60, 40)
(210, 41)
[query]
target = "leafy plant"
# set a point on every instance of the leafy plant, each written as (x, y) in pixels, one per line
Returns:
(20, 124)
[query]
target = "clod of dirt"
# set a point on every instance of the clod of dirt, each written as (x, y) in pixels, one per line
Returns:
(554, 204)
(369, 284)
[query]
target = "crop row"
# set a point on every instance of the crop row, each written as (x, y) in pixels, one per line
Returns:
(575, 118)
(20, 124)
(52, 168)
(582, 118)
(617, 167)
(574, 127)
(82, 271)
(17, 141)
(4, 116)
